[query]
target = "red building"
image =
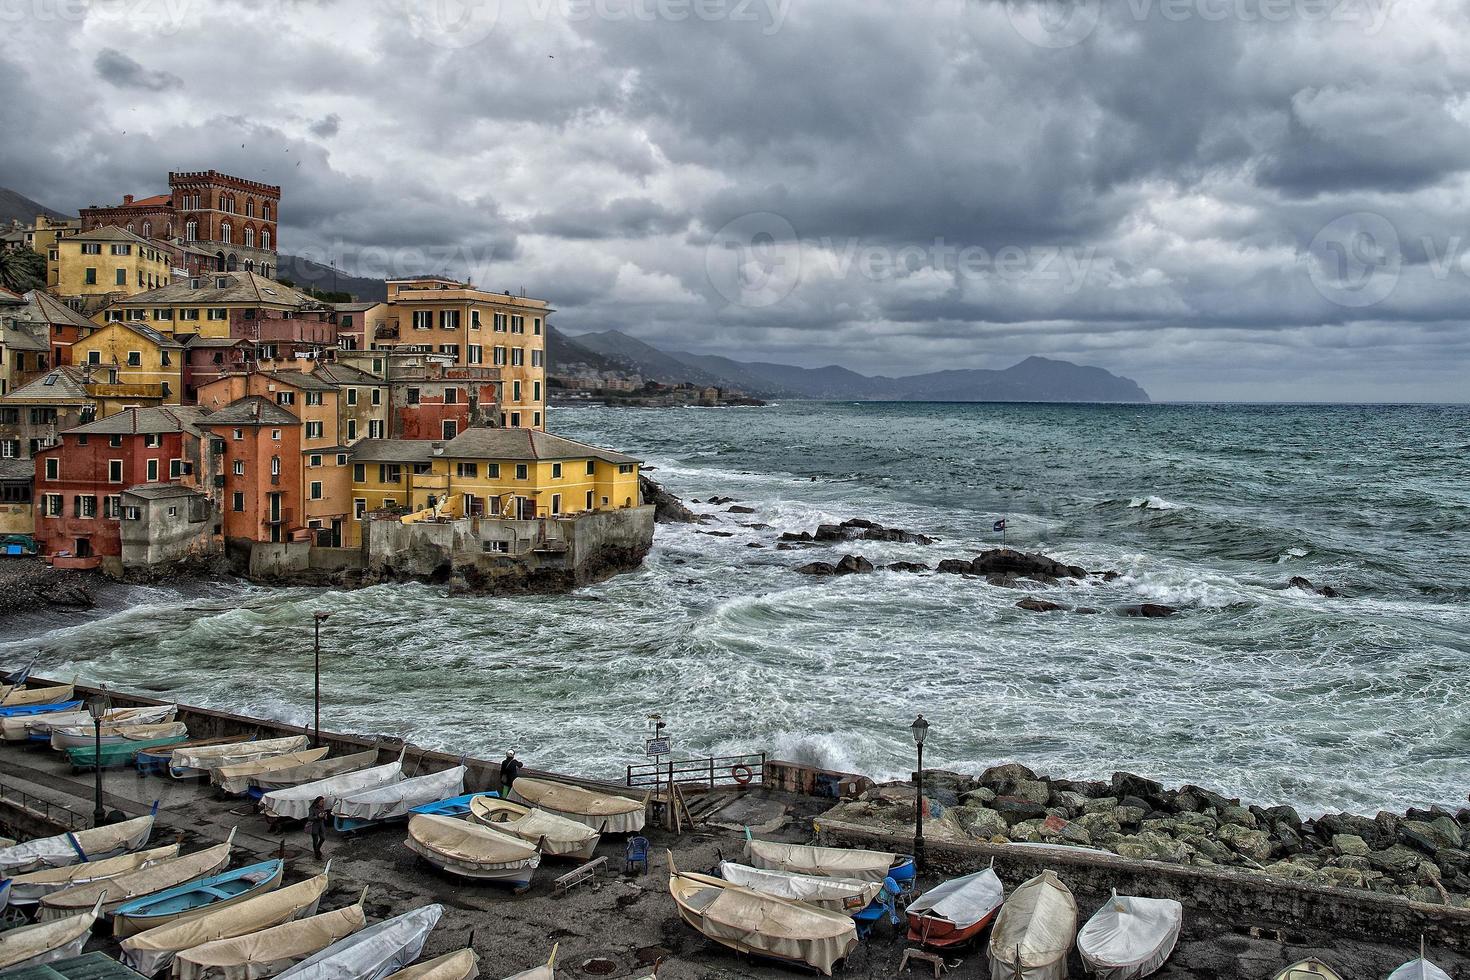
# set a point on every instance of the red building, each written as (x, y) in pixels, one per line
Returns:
(79, 482)
(257, 445)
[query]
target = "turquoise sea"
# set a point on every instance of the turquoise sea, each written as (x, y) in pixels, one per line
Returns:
(1274, 694)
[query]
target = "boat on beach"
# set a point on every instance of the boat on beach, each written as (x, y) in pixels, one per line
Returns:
(38, 727)
(393, 802)
(454, 806)
(557, 836)
(234, 778)
(828, 862)
(472, 850)
(257, 955)
(1419, 969)
(118, 753)
(293, 802)
(546, 971)
(1130, 937)
(194, 899)
(462, 964)
(81, 735)
(846, 895)
(374, 953)
(145, 881)
(956, 911)
(189, 763)
(310, 772)
(63, 850)
(153, 950)
(156, 761)
(28, 889)
(1033, 933)
(46, 942)
(19, 697)
(1309, 969)
(748, 921)
(606, 813)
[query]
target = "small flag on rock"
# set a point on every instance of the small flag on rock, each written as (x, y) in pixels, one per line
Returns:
(1000, 525)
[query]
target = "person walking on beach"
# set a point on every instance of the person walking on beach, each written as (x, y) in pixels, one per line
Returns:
(510, 766)
(316, 820)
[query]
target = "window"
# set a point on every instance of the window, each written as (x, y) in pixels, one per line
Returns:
(265, 242)
(315, 459)
(115, 442)
(389, 473)
(51, 505)
(9, 448)
(276, 435)
(163, 313)
(492, 470)
(173, 512)
(359, 507)
(164, 359)
(341, 459)
(238, 434)
(218, 313)
(111, 506)
(237, 502)
(225, 232)
(538, 358)
(191, 231)
(535, 391)
(499, 357)
(285, 398)
(474, 319)
(451, 396)
(467, 471)
(423, 319)
(85, 505)
(351, 430)
(175, 468)
(135, 358)
(377, 398)
(53, 468)
(520, 471)
(153, 471)
(275, 466)
(114, 471)
(136, 316)
(352, 396)
(515, 420)
(556, 503)
(249, 237)
(314, 430)
(589, 500)
(477, 354)
(625, 468)
(121, 277)
(449, 319)
(122, 248)
(359, 472)
(239, 467)
(556, 471)
(313, 398)
(91, 248)
(515, 388)
(152, 440)
(451, 349)
(413, 396)
(591, 467)
(517, 356)
(517, 323)
(375, 428)
(449, 428)
(495, 547)
(500, 323)
(90, 277)
(316, 490)
(536, 326)
(189, 314)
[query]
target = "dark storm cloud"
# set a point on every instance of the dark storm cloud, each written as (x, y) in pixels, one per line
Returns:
(327, 126)
(118, 69)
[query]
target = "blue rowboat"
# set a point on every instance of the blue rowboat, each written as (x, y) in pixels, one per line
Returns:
(455, 806)
(158, 758)
(870, 916)
(196, 897)
(26, 710)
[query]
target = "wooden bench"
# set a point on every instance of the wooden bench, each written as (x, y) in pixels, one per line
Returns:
(579, 874)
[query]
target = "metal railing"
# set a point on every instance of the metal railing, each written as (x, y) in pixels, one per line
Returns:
(710, 771)
(54, 812)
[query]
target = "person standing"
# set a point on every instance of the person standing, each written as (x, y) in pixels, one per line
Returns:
(510, 766)
(316, 820)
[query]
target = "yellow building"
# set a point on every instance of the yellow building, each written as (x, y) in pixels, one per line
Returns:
(105, 262)
(475, 327)
(131, 364)
(46, 231)
(517, 474)
(223, 304)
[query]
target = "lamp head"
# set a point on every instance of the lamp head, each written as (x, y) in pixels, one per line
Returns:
(920, 729)
(97, 708)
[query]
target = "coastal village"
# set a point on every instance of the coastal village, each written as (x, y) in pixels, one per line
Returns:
(166, 403)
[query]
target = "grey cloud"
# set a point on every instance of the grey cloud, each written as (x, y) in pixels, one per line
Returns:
(327, 126)
(120, 70)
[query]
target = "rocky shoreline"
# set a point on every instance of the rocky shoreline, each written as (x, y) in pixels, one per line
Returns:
(29, 585)
(1420, 854)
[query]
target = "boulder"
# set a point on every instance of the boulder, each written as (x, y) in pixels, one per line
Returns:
(1101, 804)
(1001, 776)
(1446, 832)
(1073, 803)
(1305, 584)
(832, 532)
(1287, 815)
(667, 509)
(1031, 790)
(1033, 604)
(1149, 610)
(1003, 561)
(980, 796)
(1209, 797)
(1003, 581)
(1016, 810)
(1027, 832)
(852, 564)
(1419, 836)
(955, 566)
(978, 821)
(1074, 834)
(739, 509)
(1239, 816)
(1254, 844)
(1097, 824)
(817, 568)
(1155, 847)
(795, 536)
(1129, 816)
(1128, 784)
(1397, 859)
(907, 566)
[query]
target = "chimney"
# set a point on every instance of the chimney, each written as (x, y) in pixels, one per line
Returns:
(127, 199)
(437, 448)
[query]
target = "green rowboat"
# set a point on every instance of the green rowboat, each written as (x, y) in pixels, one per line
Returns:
(118, 754)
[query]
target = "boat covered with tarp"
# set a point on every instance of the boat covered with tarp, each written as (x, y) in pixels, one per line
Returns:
(847, 895)
(1419, 969)
(20, 697)
(197, 898)
(557, 836)
(156, 760)
(394, 801)
(1130, 937)
(472, 850)
(828, 862)
(462, 964)
(135, 884)
(293, 802)
(112, 734)
(38, 727)
(1033, 933)
(46, 942)
(234, 778)
(117, 754)
(374, 953)
(546, 971)
(955, 911)
(151, 951)
(748, 921)
(92, 844)
(193, 762)
(606, 813)
(257, 955)
(30, 888)
(1309, 969)
(310, 772)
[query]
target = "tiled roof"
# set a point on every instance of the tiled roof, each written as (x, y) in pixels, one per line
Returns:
(17, 469)
(6, 296)
(157, 491)
(393, 451)
(58, 384)
(22, 334)
(111, 233)
(353, 307)
(302, 380)
(486, 443)
(49, 309)
(251, 410)
(192, 340)
(239, 287)
(346, 374)
(158, 419)
(147, 333)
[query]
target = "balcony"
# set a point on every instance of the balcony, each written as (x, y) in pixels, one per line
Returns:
(284, 517)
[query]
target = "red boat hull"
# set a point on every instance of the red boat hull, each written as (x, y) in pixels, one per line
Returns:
(929, 931)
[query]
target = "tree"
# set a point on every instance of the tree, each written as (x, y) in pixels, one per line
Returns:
(22, 270)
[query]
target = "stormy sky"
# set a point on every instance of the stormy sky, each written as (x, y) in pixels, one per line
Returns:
(1222, 199)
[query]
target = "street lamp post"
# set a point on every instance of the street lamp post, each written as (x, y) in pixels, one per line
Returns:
(920, 728)
(316, 647)
(97, 708)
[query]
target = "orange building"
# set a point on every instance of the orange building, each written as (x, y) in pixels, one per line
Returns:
(257, 448)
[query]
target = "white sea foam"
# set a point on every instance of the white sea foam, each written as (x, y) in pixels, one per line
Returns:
(1153, 503)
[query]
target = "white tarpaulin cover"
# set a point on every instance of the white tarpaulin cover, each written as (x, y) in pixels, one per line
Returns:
(556, 835)
(16, 697)
(375, 952)
(750, 922)
(151, 951)
(58, 852)
(1130, 937)
(828, 862)
(395, 800)
(546, 971)
(135, 884)
(1033, 932)
(29, 888)
(837, 894)
(962, 901)
(268, 952)
(1420, 969)
(604, 812)
(45, 942)
(312, 771)
(470, 849)
(235, 777)
(462, 964)
(19, 729)
(213, 756)
(294, 801)
(82, 735)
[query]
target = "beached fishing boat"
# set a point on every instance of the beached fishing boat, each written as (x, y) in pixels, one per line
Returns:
(1130, 937)
(454, 806)
(79, 735)
(38, 728)
(393, 802)
(152, 951)
(472, 850)
(546, 971)
(1034, 931)
(155, 761)
(293, 802)
(92, 844)
(234, 778)
(262, 954)
(136, 884)
(374, 953)
(829, 862)
(606, 813)
(764, 925)
(19, 697)
(1309, 969)
(462, 964)
(30, 888)
(956, 911)
(847, 895)
(310, 772)
(13, 720)
(189, 763)
(556, 835)
(1420, 969)
(194, 899)
(119, 754)
(46, 942)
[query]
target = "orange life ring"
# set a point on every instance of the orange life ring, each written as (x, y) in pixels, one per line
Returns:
(741, 774)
